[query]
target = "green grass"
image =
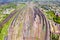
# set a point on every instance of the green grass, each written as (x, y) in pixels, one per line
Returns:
(50, 15)
(56, 19)
(4, 30)
(54, 36)
(3, 16)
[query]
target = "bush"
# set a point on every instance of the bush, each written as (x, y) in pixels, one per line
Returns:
(54, 36)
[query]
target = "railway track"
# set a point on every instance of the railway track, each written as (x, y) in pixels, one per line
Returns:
(31, 27)
(47, 31)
